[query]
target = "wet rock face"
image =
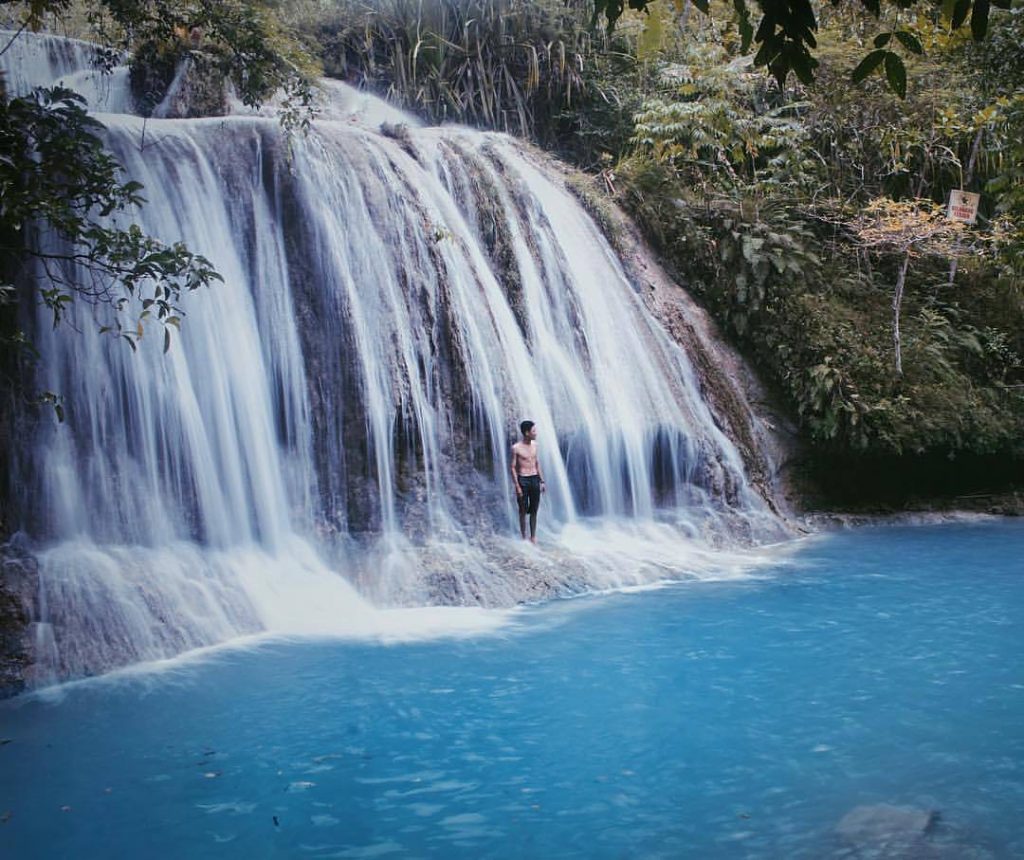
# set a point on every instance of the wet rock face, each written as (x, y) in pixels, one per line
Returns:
(170, 80)
(18, 582)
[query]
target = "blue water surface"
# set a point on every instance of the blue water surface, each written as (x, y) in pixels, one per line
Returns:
(872, 679)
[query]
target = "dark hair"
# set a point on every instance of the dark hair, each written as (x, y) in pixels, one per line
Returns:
(524, 426)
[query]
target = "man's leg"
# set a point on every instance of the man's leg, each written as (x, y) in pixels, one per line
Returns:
(521, 501)
(534, 504)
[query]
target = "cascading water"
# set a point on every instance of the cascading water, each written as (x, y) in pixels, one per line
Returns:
(36, 60)
(331, 430)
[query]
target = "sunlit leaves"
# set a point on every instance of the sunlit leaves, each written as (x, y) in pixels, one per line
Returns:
(900, 226)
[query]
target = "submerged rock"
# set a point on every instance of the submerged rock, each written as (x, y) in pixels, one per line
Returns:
(882, 823)
(886, 832)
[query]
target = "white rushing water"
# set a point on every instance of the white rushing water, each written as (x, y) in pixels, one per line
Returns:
(330, 433)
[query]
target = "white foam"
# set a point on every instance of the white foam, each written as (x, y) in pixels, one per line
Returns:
(392, 627)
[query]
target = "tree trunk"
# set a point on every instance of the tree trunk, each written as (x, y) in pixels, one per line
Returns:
(971, 162)
(897, 301)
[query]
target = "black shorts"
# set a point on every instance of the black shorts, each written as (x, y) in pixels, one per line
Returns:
(530, 499)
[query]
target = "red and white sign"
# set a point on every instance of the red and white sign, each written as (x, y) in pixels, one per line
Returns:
(963, 206)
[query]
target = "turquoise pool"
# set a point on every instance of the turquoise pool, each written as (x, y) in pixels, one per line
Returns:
(863, 697)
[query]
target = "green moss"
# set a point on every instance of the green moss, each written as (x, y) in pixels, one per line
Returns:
(153, 69)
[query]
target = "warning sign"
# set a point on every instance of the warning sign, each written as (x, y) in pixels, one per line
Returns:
(963, 206)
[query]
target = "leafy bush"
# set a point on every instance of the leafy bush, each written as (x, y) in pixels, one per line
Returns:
(814, 316)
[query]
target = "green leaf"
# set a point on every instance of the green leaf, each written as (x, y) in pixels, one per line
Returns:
(746, 29)
(803, 64)
(882, 39)
(910, 42)
(871, 62)
(896, 73)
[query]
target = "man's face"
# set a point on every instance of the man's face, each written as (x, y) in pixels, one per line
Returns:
(531, 434)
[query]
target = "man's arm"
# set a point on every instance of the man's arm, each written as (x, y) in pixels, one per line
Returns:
(515, 475)
(540, 474)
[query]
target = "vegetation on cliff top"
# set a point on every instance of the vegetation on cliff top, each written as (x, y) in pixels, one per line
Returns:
(807, 214)
(810, 220)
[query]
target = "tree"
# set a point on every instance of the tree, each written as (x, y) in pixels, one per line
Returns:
(242, 35)
(59, 186)
(909, 229)
(785, 32)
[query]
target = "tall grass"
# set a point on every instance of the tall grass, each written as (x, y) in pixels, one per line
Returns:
(511, 65)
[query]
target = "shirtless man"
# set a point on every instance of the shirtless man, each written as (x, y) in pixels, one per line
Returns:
(527, 479)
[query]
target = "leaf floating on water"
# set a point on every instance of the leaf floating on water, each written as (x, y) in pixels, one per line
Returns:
(276, 822)
(300, 786)
(4, 741)
(65, 809)
(212, 774)
(5, 817)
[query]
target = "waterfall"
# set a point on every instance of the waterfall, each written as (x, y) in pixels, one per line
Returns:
(39, 59)
(330, 433)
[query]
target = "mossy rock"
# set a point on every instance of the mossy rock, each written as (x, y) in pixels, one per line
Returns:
(172, 79)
